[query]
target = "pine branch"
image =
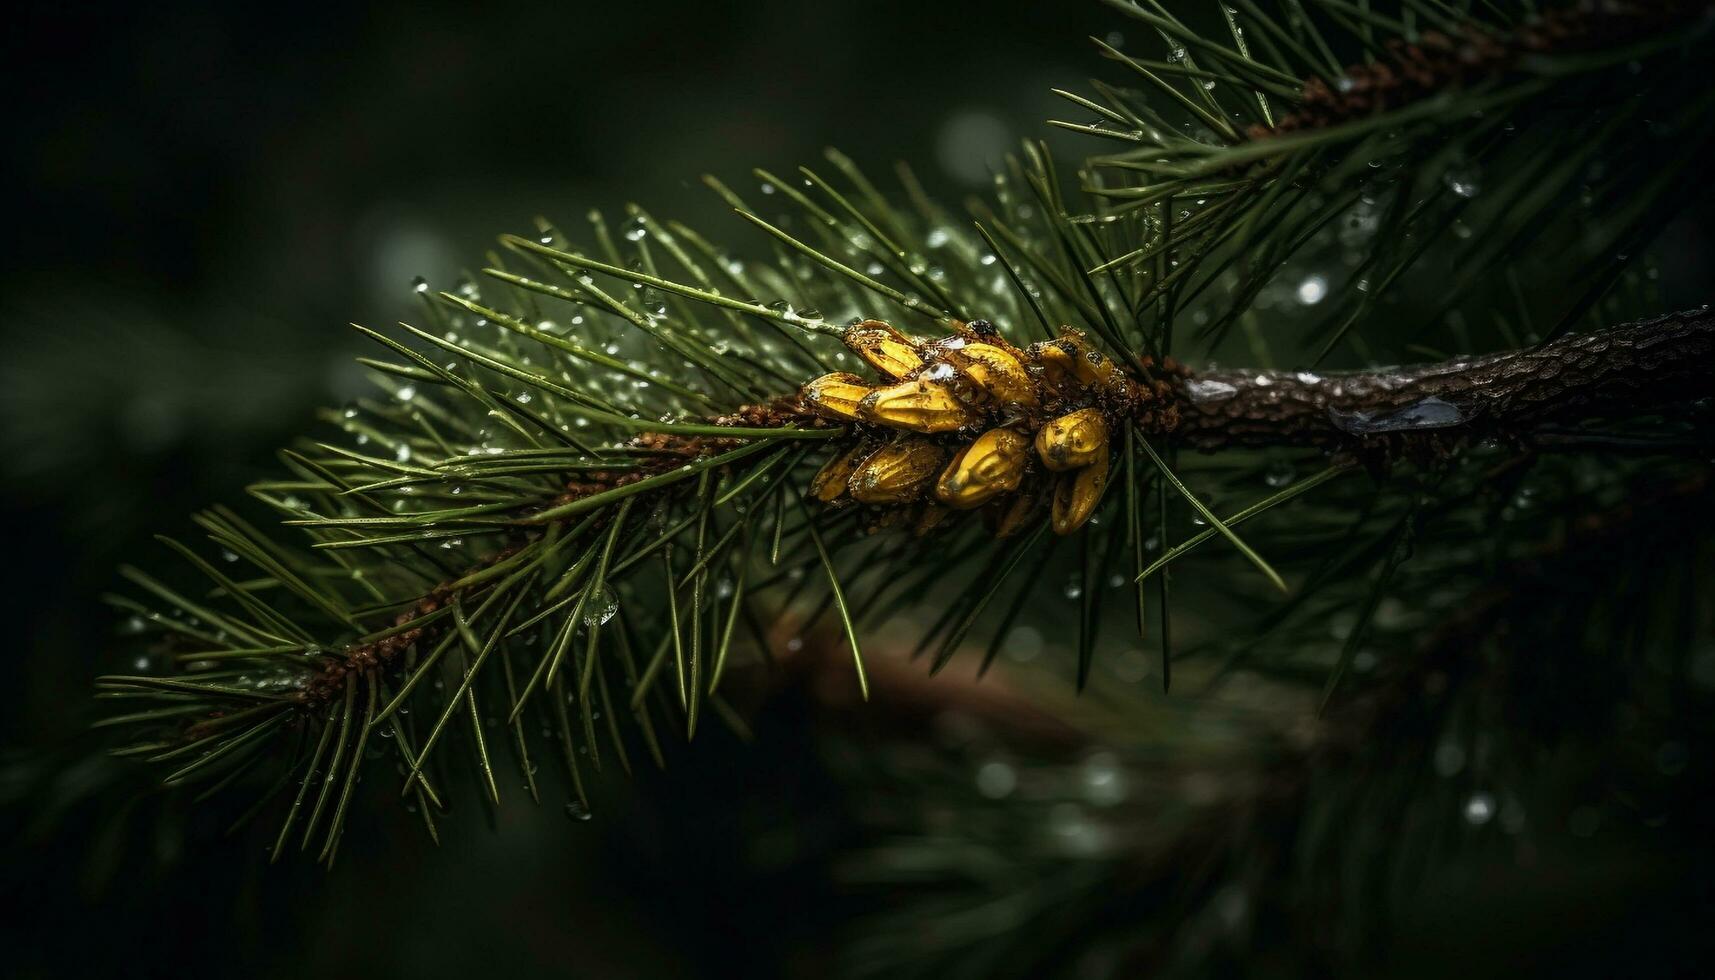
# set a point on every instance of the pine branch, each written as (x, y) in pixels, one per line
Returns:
(1609, 375)
(649, 439)
(1475, 138)
(1436, 62)
(1517, 396)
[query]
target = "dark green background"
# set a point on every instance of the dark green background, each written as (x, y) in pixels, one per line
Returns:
(198, 199)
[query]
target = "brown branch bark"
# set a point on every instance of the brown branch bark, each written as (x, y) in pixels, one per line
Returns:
(1627, 371)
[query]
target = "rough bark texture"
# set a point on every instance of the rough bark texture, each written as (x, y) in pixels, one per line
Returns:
(1613, 374)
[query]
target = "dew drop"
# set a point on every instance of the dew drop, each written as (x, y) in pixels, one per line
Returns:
(1312, 290)
(602, 607)
(1202, 390)
(1479, 808)
(1463, 181)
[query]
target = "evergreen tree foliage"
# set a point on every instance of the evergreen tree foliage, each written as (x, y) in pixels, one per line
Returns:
(1325, 625)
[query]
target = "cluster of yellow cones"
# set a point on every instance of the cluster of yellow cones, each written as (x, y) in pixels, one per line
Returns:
(954, 422)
